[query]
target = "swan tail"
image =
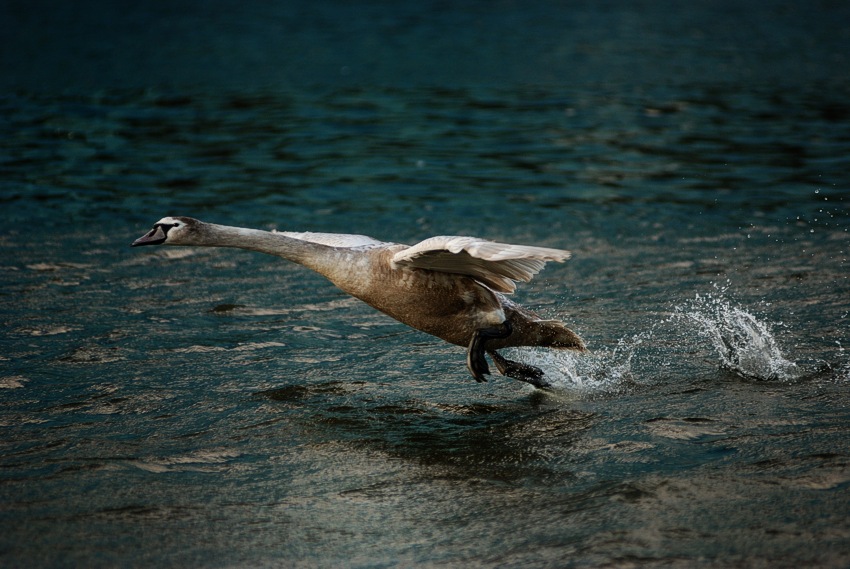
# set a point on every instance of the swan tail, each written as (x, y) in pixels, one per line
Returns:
(554, 334)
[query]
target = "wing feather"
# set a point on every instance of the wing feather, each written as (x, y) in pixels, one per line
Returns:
(497, 265)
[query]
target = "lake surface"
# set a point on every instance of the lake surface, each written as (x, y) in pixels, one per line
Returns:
(217, 408)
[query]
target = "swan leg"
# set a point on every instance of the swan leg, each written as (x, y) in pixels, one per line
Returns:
(516, 370)
(475, 360)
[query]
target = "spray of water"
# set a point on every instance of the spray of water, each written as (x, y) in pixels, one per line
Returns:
(744, 345)
(597, 371)
(594, 372)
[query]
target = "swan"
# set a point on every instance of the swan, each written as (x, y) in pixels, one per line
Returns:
(448, 286)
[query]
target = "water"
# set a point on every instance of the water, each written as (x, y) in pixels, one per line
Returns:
(224, 409)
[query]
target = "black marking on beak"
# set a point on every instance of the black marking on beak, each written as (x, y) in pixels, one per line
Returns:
(155, 236)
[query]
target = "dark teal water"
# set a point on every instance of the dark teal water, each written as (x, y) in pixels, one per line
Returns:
(212, 408)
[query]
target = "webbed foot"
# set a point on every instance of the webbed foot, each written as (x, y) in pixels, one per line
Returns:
(523, 372)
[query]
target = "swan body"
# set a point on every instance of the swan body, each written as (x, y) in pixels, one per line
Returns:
(448, 286)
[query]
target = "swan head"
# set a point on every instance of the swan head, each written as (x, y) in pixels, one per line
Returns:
(170, 231)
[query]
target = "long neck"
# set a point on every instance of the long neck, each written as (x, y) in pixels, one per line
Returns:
(309, 254)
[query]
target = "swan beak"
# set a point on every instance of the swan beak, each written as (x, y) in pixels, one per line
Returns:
(154, 237)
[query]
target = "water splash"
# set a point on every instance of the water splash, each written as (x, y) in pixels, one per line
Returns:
(598, 371)
(744, 344)
(585, 373)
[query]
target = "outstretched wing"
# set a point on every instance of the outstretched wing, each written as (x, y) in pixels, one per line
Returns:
(496, 265)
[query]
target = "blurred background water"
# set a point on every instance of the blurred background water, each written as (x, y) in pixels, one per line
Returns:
(215, 408)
